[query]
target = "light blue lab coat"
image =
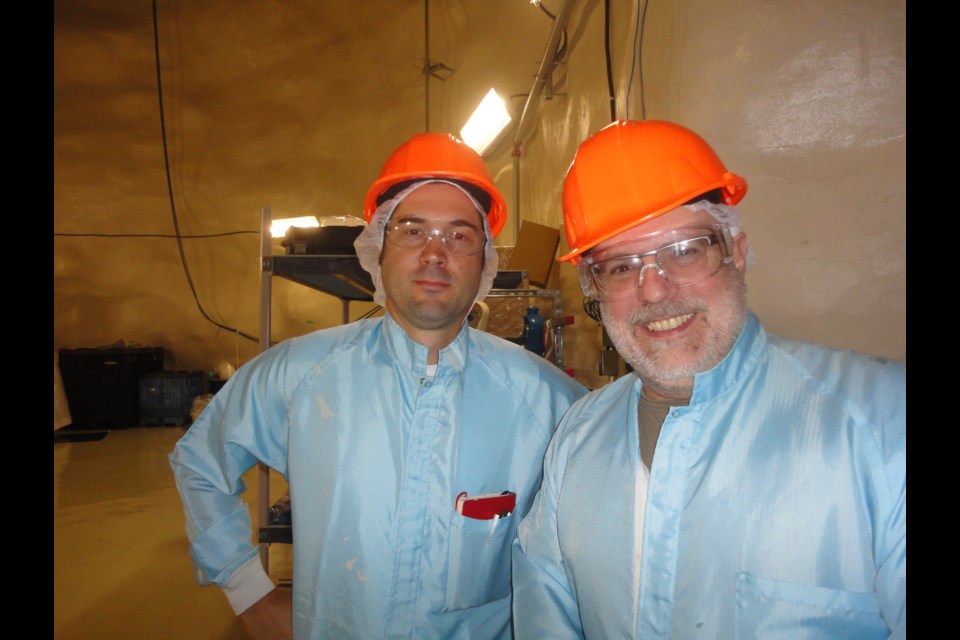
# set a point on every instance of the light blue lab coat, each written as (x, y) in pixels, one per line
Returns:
(775, 507)
(375, 454)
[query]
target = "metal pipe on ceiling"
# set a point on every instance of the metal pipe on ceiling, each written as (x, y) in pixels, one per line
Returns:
(530, 106)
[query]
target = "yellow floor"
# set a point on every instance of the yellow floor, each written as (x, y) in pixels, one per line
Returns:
(120, 560)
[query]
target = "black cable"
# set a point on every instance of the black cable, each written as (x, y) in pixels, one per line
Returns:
(643, 98)
(606, 43)
(370, 312)
(152, 235)
(634, 59)
(173, 208)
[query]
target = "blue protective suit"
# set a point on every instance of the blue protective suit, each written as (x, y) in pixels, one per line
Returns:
(775, 507)
(375, 453)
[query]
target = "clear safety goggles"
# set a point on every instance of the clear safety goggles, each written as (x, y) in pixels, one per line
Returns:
(684, 257)
(459, 241)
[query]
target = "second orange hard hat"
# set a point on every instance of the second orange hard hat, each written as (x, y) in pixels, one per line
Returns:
(632, 171)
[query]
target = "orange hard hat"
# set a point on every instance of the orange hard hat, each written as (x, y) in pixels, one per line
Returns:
(438, 155)
(632, 171)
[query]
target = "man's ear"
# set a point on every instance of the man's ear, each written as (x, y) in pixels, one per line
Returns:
(740, 246)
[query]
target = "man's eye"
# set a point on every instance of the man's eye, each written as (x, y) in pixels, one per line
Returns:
(413, 232)
(456, 235)
(688, 249)
(619, 267)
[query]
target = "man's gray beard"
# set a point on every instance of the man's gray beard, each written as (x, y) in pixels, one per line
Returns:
(729, 316)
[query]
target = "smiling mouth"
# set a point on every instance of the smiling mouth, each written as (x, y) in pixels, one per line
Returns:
(669, 323)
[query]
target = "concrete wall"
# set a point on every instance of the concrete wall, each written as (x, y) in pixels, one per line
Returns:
(295, 105)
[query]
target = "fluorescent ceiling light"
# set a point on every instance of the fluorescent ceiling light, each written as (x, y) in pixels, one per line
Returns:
(486, 123)
(278, 228)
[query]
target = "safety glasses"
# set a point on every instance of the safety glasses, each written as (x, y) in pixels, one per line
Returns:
(682, 257)
(459, 241)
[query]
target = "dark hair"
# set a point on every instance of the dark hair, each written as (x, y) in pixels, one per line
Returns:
(713, 197)
(480, 195)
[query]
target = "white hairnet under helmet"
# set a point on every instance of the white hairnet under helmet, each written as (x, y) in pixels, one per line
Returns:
(728, 215)
(369, 244)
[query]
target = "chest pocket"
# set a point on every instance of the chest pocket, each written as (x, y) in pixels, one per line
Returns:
(478, 561)
(772, 609)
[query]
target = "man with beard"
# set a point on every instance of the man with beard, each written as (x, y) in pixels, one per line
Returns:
(739, 485)
(380, 427)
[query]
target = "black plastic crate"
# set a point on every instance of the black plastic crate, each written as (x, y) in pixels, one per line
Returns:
(166, 397)
(102, 385)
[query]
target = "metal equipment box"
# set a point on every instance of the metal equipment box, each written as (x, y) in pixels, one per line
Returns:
(167, 396)
(102, 384)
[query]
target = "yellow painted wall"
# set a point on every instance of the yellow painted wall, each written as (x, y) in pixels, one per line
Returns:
(295, 105)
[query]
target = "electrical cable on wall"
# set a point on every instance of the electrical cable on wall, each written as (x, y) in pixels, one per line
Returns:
(154, 235)
(173, 208)
(636, 58)
(369, 312)
(611, 93)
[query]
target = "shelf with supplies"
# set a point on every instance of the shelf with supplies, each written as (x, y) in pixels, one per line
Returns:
(339, 274)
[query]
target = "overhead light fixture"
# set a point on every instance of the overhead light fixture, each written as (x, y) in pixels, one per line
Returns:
(486, 123)
(278, 228)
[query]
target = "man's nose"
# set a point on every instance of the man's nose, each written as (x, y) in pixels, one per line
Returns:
(435, 250)
(653, 285)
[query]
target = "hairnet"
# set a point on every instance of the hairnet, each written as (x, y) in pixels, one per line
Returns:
(728, 215)
(369, 244)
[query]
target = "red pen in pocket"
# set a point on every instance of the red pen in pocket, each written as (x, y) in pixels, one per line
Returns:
(486, 506)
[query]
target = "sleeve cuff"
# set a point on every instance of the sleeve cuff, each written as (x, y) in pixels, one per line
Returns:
(247, 585)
